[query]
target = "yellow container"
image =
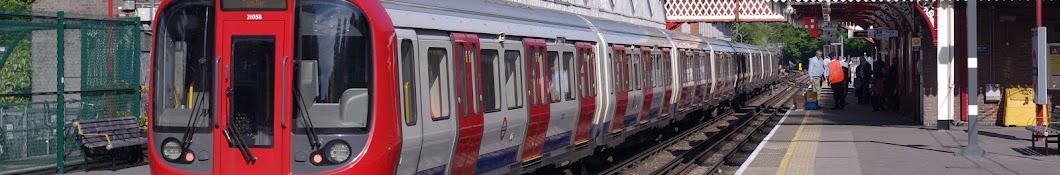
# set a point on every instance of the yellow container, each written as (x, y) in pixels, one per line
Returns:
(1020, 107)
(811, 96)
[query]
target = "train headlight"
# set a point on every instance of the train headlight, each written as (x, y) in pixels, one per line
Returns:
(337, 151)
(171, 149)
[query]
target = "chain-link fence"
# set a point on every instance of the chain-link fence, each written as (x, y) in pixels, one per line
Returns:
(51, 63)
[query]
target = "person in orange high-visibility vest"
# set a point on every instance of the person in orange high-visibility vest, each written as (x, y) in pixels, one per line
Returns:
(837, 79)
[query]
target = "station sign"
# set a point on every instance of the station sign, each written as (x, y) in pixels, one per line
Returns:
(860, 34)
(249, 5)
(886, 33)
(916, 44)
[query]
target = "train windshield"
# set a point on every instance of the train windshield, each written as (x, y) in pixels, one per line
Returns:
(184, 67)
(334, 36)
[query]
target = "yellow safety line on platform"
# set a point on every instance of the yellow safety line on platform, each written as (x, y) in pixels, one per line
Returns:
(791, 145)
(802, 154)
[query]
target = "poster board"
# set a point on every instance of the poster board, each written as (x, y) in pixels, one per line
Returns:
(1054, 66)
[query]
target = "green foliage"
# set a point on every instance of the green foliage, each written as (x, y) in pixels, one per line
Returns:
(15, 69)
(15, 5)
(798, 44)
(15, 74)
(857, 47)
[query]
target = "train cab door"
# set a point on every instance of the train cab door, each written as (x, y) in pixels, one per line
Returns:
(586, 94)
(468, 99)
(621, 89)
(645, 84)
(254, 105)
(538, 111)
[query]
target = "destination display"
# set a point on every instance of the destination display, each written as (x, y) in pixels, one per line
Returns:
(253, 5)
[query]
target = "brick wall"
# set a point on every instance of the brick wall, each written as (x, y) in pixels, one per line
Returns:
(929, 79)
(1004, 27)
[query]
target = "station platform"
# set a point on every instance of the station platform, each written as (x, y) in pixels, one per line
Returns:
(857, 140)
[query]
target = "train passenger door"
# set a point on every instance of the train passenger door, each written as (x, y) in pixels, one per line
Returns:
(468, 99)
(645, 83)
(538, 102)
(586, 96)
(666, 77)
(410, 101)
(621, 90)
(256, 68)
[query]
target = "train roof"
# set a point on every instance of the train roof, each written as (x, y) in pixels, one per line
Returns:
(686, 41)
(478, 16)
(624, 33)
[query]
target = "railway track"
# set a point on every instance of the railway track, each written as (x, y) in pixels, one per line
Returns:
(708, 147)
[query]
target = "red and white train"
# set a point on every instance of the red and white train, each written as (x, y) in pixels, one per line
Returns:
(418, 86)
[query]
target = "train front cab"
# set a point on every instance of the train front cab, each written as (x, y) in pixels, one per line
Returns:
(241, 88)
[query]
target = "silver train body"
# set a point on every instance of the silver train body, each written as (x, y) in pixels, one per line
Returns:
(687, 74)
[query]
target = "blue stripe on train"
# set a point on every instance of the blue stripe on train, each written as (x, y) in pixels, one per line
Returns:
(438, 170)
(496, 159)
(654, 112)
(556, 141)
(629, 120)
(604, 129)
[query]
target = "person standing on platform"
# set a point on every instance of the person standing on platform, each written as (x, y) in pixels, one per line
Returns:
(864, 72)
(816, 71)
(891, 85)
(836, 77)
(877, 85)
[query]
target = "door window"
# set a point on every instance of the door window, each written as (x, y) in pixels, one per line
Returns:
(490, 69)
(251, 85)
(408, 82)
(438, 76)
(513, 78)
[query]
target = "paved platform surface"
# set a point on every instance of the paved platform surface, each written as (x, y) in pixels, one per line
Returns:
(856, 141)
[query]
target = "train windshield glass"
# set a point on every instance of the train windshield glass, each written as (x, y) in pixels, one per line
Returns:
(335, 35)
(183, 72)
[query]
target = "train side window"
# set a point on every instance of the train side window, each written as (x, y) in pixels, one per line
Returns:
(583, 70)
(568, 76)
(614, 73)
(475, 91)
(638, 72)
(628, 72)
(624, 71)
(460, 81)
(438, 74)
(554, 90)
(513, 77)
(488, 70)
(656, 63)
(709, 67)
(408, 82)
(591, 72)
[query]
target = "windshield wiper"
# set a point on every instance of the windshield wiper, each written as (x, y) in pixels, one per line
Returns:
(307, 123)
(232, 135)
(198, 111)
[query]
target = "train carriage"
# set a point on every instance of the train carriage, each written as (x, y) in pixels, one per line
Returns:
(418, 86)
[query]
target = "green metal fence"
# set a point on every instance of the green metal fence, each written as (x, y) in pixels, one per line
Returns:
(56, 64)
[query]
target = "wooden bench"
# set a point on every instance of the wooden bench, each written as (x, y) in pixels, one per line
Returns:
(1049, 133)
(111, 140)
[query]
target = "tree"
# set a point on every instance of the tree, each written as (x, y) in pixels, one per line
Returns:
(15, 70)
(15, 5)
(798, 45)
(857, 46)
